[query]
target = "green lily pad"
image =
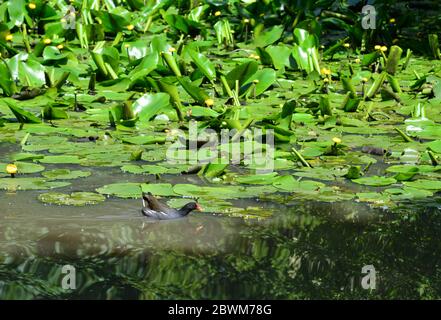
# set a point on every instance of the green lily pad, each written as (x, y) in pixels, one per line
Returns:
(424, 184)
(60, 159)
(144, 169)
(288, 183)
(375, 181)
(65, 174)
(13, 184)
(121, 190)
(73, 199)
(267, 178)
(23, 167)
(159, 189)
(140, 140)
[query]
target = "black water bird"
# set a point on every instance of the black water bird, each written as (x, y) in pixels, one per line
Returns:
(153, 208)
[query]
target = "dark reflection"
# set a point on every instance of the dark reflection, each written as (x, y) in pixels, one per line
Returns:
(310, 251)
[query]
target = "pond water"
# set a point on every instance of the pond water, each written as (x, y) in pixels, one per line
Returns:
(305, 250)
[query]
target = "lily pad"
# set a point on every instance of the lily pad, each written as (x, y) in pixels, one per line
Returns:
(14, 184)
(288, 183)
(424, 184)
(144, 169)
(60, 159)
(121, 190)
(65, 174)
(159, 189)
(73, 199)
(375, 181)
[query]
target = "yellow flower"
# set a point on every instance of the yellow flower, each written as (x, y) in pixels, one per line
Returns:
(325, 80)
(256, 81)
(336, 140)
(217, 13)
(9, 37)
(392, 20)
(209, 102)
(127, 46)
(254, 56)
(383, 48)
(60, 46)
(171, 49)
(11, 169)
(47, 41)
(357, 60)
(346, 45)
(32, 6)
(364, 80)
(246, 20)
(326, 72)
(377, 47)
(130, 27)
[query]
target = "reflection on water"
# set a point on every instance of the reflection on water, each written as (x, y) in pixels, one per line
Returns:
(305, 251)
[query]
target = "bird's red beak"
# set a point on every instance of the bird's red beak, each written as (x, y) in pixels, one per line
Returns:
(198, 207)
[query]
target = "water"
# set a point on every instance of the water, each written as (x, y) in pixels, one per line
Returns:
(306, 250)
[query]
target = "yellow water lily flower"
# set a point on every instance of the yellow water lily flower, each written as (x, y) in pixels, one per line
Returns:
(172, 49)
(47, 41)
(11, 169)
(336, 140)
(346, 45)
(60, 46)
(325, 71)
(9, 37)
(209, 102)
(392, 20)
(130, 27)
(246, 20)
(383, 48)
(377, 47)
(357, 61)
(32, 6)
(217, 13)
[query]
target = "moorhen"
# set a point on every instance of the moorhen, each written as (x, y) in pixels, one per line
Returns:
(153, 208)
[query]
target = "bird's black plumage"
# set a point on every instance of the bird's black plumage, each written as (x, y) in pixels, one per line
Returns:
(153, 208)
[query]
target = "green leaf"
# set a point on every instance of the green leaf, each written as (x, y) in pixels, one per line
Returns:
(159, 189)
(150, 104)
(241, 73)
(263, 80)
(73, 199)
(269, 37)
(199, 95)
(65, 174)
(121, 190)
(22, 116)
(424, 184)
(14, 184)
(60, 159)
(375, 181)
(203, 64)
(288, 183)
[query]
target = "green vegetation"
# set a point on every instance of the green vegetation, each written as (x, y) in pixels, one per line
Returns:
(87, 86)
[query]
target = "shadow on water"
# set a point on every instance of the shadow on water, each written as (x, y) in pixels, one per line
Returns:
(308, 250)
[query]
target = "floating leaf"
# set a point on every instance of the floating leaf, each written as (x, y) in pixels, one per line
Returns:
(60, 159)
(424, 184)
(73, 199)
(13, 184)
(65, 174)
(375, 181)
(159, 189)
(121, 190)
